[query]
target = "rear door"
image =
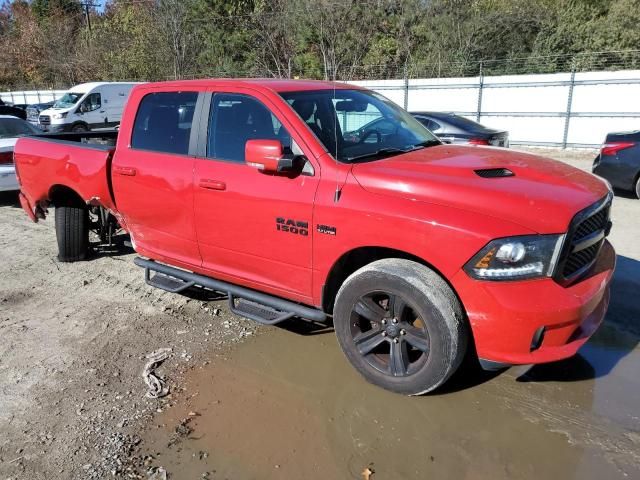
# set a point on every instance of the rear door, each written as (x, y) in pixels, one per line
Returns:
(241, 213)
(152, 174)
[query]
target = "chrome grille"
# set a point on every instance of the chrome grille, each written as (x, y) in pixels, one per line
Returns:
(45, 120)
(585, 238)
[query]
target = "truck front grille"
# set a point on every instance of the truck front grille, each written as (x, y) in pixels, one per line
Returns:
(45, 120)
(584, 240)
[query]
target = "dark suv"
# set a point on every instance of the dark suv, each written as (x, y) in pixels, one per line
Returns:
(619, 161)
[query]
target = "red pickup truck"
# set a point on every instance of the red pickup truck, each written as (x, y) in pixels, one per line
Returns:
(416, 250)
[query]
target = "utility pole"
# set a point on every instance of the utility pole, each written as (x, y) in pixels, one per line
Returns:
(85, 7)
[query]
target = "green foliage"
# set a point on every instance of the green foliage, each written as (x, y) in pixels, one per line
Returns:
(48, 41)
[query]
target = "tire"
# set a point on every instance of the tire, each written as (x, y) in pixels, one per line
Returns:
(72, 232)
(79, 128)
(424, 307)
(638, 187)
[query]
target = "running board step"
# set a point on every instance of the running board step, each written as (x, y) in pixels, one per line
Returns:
(166, 282)
(257, 306)
(257, 312)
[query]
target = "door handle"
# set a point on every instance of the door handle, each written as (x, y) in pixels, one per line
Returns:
(127, 171)
(212, 184)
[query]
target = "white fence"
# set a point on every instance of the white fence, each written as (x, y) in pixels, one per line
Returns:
(29, 97)
(560, 109)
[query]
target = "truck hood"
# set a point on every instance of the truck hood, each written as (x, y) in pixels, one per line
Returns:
(542, 194)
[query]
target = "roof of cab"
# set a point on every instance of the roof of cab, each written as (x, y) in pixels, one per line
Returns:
(273, 84)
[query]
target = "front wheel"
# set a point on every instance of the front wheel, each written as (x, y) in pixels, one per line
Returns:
(80, 128)
(638, 187)
(401, 326)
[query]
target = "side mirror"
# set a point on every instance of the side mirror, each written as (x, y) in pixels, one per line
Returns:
(267, 156)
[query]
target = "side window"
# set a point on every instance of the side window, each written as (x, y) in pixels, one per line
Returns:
(353, 116)
(91, 103)
(430, 124)
(236, 118)
(163, 122)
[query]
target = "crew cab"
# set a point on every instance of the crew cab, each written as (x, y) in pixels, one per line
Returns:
(417, 251)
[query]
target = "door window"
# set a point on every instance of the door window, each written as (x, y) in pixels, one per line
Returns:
(430, 124)
(91, 103)
(236, 118)
(163, 122)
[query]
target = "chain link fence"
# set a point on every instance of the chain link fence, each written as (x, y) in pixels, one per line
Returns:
(554, 100)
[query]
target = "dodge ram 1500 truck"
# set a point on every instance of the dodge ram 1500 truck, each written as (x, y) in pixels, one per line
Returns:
(416, 250)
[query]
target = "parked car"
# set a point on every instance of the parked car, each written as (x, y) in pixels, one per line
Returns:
(452, 128)
(87, 106)
(33, 112)
(414, 248)
(6, 109)
(11, 128)
(619, 161)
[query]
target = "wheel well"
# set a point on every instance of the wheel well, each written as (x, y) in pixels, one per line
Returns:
(356, 259)
(63, 195)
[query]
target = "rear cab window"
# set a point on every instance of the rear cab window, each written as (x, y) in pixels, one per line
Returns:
(163, 122)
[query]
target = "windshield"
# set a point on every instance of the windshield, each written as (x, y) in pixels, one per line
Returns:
(14, 127)
(359, 125)
(69, 99)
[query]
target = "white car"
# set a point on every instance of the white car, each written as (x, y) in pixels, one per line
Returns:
(11, 128)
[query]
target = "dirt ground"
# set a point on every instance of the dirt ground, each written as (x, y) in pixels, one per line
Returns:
(249, 402)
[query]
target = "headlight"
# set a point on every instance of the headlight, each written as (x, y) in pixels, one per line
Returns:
(516, 258)
(59, 116)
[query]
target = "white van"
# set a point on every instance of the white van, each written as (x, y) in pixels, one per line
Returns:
(88, 106)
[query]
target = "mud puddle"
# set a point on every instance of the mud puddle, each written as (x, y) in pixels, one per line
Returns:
(286, 405)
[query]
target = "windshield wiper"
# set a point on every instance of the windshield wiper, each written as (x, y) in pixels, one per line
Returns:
(426, 143)
(383, 152)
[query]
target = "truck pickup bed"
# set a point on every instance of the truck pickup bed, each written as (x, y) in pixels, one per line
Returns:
(77, 165)
(413, 249)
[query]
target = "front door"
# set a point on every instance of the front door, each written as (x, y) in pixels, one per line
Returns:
(253, 228)
(152, 174)
(91, 111)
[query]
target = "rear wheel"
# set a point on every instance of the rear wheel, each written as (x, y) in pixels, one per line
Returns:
(638, 187)
(72, 232)
(401, 326)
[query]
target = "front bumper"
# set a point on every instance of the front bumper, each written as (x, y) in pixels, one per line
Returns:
(56, 128)
(507, 317)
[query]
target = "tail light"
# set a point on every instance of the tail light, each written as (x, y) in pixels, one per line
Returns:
(615, 147)
(478, 141)
(6, 158)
